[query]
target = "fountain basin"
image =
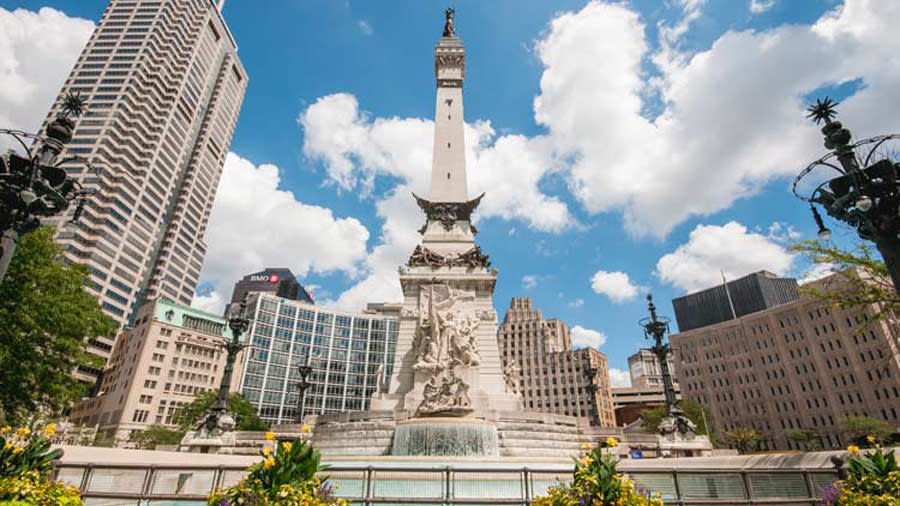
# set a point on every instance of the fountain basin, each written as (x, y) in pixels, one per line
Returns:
(444, 437)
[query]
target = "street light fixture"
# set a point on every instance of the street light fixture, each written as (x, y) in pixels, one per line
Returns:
(304, 371)
(35, 186)
(866, 192)
(218, 420)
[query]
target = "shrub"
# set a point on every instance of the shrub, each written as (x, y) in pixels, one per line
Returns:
(873, 479)
(285, 477)
(25, 461)
(597, 483)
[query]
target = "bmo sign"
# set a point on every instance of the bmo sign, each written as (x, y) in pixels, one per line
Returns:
(271, 278)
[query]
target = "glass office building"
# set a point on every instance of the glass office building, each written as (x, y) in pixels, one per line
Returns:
(345, 350)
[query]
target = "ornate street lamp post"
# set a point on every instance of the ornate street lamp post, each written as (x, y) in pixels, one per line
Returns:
(656, 327)
(35, 186)
(218, 418)
(866, 192)
(304, 370)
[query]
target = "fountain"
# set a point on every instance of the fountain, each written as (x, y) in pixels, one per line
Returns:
(442, 437)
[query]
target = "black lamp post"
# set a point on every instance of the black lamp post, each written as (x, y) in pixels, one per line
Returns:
(866, 192)
(656, 327)
(35, 186)
(304, 370)
(238, 322)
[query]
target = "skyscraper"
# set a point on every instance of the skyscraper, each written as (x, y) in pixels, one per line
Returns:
(277, 281)
(164, 88)
(552, 377)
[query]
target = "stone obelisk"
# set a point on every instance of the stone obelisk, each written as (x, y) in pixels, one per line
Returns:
(448, 362)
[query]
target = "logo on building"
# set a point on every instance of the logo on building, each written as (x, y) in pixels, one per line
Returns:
(273, 278)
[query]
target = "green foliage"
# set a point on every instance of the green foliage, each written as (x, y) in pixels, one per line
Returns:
(33, 489)
(156, 435)
(23, 450)
(743, 439)
(863, 283)
(285, 478)
(46, 316)
(873, 479)
(597, 482)
(859, 428)
(189, 415)
(651, 417)
(807, 439)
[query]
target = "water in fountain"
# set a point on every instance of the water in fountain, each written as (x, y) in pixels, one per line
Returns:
(433, 438)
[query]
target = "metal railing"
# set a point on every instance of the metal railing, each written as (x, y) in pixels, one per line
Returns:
(410, 484)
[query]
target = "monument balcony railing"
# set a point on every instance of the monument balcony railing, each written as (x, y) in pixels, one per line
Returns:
(413, 483)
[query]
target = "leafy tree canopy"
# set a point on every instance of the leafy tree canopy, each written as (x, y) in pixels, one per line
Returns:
(807, 439)
(859, 428)
(743, 439)
(189, 415)
(46, 316)
(156, 435)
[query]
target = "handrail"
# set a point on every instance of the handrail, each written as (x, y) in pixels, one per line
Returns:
(447, 479)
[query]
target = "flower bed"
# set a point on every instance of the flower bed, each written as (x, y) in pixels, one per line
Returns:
(597, 483)
(873, 479)
(25, 462)
(285, 477)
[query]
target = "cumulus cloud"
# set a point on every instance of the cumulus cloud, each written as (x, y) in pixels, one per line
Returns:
(577, 303)
(816, 272)
(726, 111)
(713, 249)
(760, 6)
(529, 281)
(619, 378)
(365, 27)
(37, 52)
(254, 225)
(615, 285)
(584, 337)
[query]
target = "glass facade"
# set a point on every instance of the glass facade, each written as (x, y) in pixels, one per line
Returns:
(345, 351)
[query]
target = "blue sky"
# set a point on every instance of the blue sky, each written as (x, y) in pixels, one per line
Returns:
(659, 124)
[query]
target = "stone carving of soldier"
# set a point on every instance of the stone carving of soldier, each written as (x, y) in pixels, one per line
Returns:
(431, 395)
(449, 31)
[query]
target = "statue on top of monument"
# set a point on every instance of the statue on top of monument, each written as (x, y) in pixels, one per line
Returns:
(449, 31)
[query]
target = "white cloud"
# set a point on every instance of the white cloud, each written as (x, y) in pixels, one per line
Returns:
(760, 6)
(727, 111)
(619, 378)
(615, 285)
(212, 301)
(713, 249)
(529, 281)
(816, 272)
(37, 52)
(254, 225)
(365, 27)
(584, 337)
(577, 303)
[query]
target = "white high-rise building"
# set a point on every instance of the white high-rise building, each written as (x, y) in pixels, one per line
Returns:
(164, 88)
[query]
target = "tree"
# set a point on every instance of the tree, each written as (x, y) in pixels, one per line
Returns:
(858, 428)
(651, 417)
(46, 316)
(743, 439)
(863, 281)
(189, 415)
(807, 439)
(156, 435)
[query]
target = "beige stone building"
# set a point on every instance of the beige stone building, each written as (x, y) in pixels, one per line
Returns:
(553, 377)
(797, 365)
(164, 88)
(169, 356)
(645, 372)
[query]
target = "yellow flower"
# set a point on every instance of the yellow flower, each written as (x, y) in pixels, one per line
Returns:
(6, 430)
(611, 442)
(269, 463)
(286, 446)
(50, 430)
(853, 449)
(18, 449)
(585, 446)
(306, 428)
(267, 451)
(8, 446)
(870, 438)
(270, 436)
(23, 432)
